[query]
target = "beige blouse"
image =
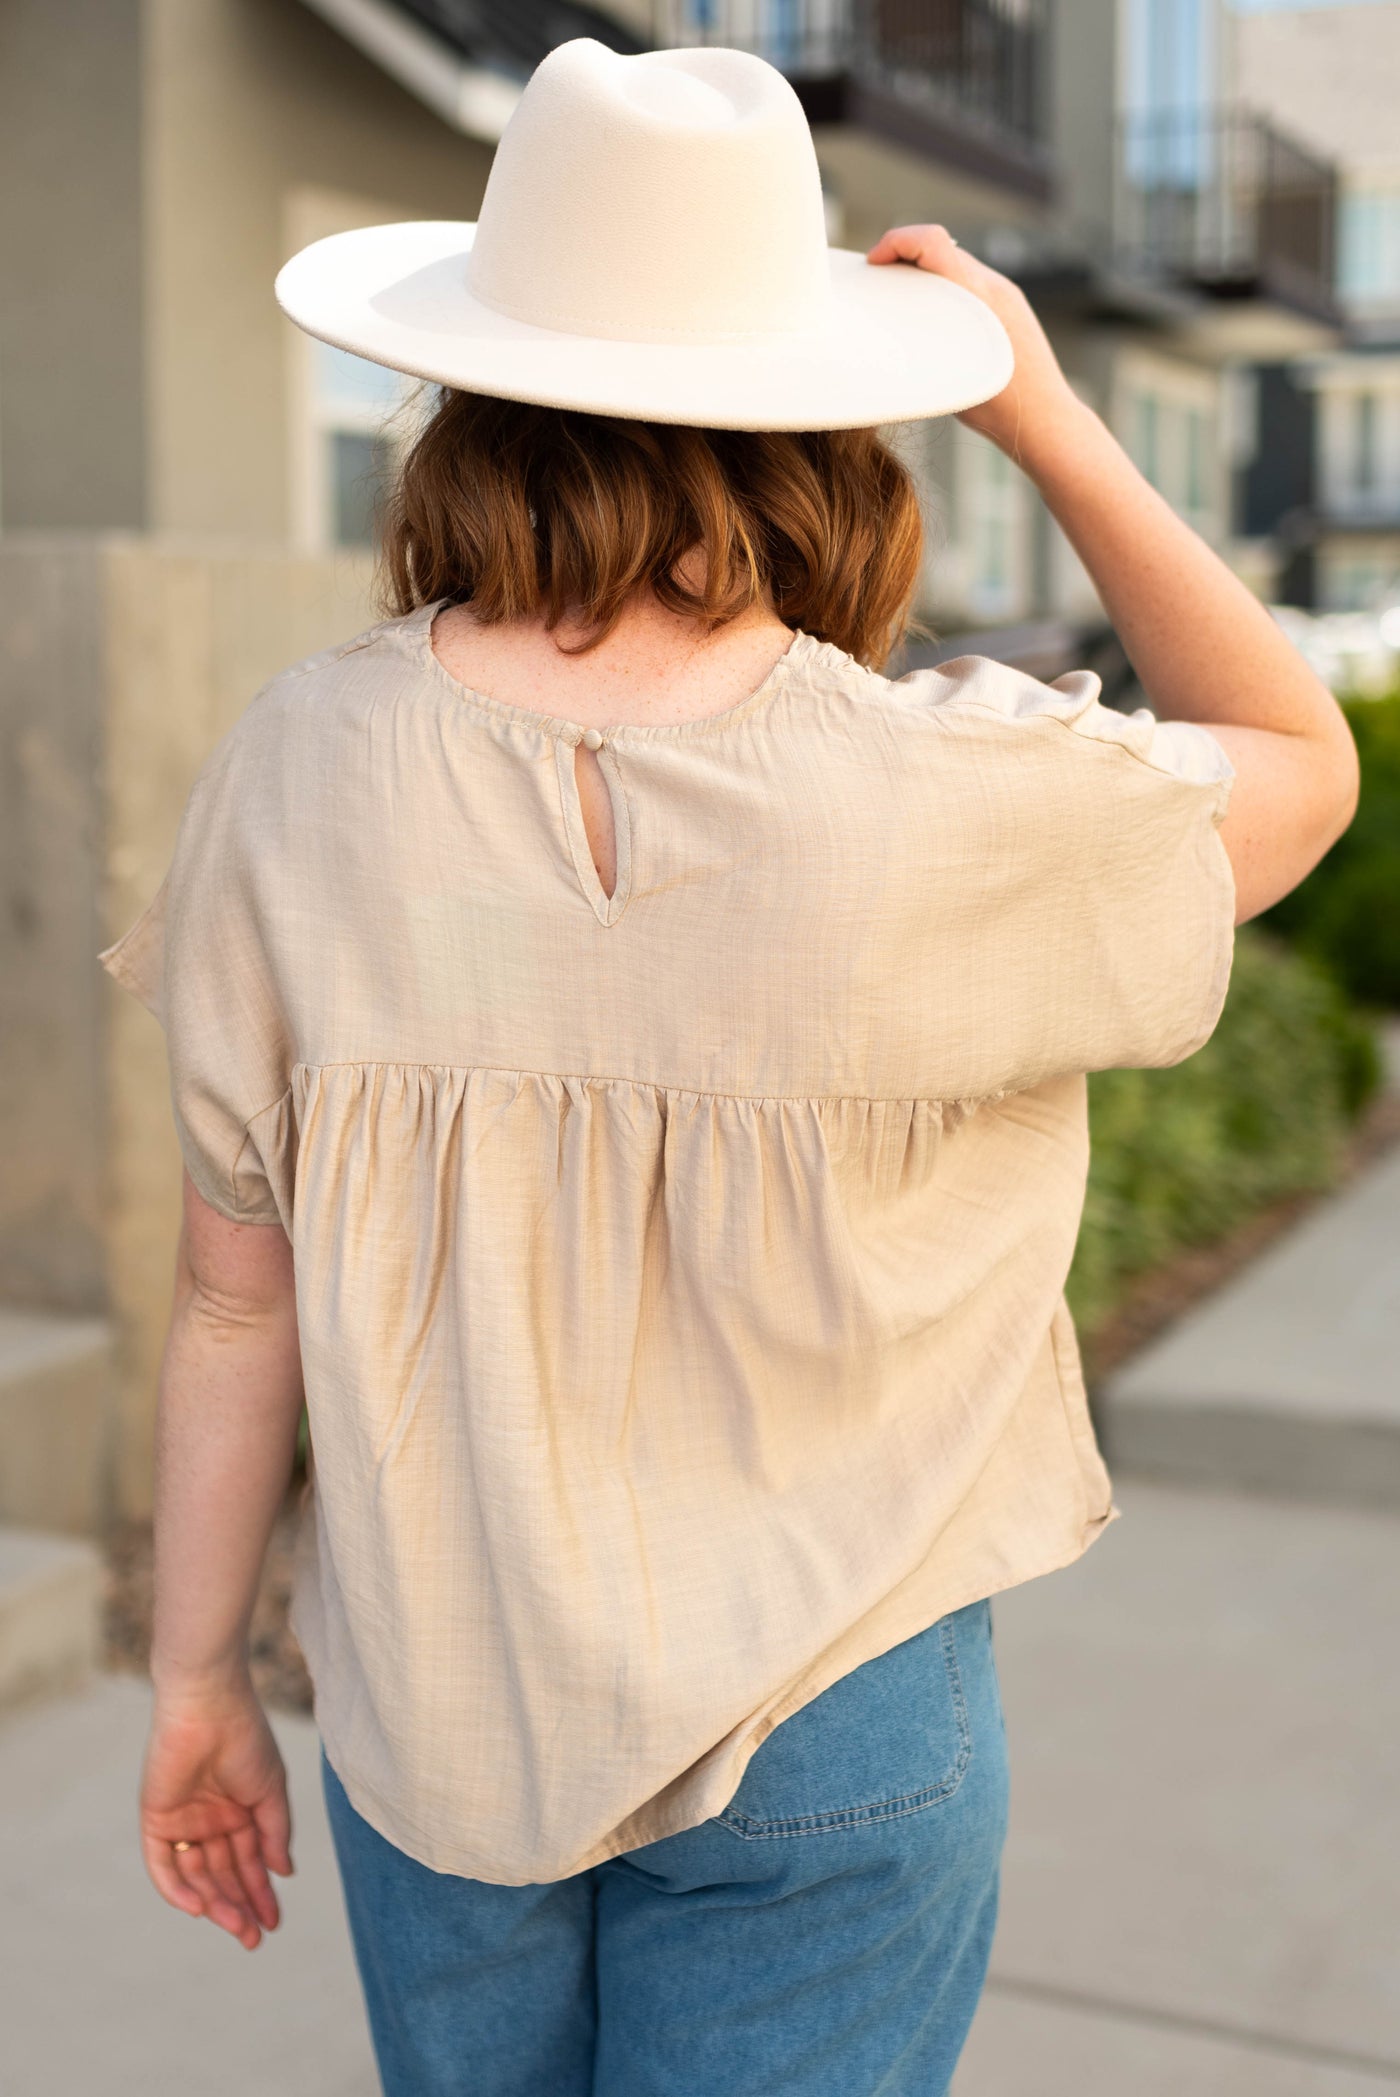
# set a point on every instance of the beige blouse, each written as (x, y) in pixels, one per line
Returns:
(679, 1275)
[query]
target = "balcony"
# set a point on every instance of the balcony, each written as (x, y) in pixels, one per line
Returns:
(960, 82)
(1222, 202)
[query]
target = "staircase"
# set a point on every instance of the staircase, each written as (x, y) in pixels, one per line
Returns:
(54, 1378)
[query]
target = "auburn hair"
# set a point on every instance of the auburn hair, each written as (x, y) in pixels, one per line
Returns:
(522, 511)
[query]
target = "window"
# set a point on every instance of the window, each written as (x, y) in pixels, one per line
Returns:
(1168, 84)
(1239, 414)
(1358, 439)
(359, 428)
(357, 468)
(1170, 54)
(1354, 582)
(1144, 444)
(1194, 492)
(1364, 419)
(779, 30)
(1169, 418)
(1368, 263)
(1070, 587)
(994, 516)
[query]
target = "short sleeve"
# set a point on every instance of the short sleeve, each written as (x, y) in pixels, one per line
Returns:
(1123, 930)
(196, 958)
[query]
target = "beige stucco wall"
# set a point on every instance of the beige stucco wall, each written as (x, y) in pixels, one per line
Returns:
(50, 652)
(246, 101)
(72, 437)
(1328, 76)
(151, 155)
(125, 658)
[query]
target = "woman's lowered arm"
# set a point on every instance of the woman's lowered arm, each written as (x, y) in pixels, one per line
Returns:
(226, 1426)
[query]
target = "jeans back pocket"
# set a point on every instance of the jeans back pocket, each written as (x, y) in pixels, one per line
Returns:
(889, 1738)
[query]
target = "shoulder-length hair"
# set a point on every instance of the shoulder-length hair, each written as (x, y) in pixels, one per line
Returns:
(522, 511)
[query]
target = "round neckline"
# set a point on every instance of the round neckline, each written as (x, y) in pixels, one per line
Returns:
(418, 628)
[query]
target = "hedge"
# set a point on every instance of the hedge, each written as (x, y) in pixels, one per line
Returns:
(1347, 912)
(1179, 1156)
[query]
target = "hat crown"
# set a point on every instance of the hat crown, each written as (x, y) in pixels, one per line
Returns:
(672, 197)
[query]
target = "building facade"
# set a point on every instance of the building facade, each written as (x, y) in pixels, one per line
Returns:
(1324, 477)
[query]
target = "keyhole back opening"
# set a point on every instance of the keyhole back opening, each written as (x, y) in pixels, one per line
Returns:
(595, 806)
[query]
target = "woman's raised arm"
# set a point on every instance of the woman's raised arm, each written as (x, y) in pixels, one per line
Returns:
(1203, 646)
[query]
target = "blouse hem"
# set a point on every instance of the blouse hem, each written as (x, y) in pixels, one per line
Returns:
(643, 1828)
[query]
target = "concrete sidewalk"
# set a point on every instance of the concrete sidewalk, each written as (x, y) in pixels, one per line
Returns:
(110, 1993)
(1200, 1894)
(1200, 1891)
(1288, 1377)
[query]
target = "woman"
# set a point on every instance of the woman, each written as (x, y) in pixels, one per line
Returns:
(663, 1041)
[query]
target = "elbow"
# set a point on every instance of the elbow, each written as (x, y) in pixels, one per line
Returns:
(230, 1304)
(229, 1321)
(233, 1274)
(1345, 782)
(1333, 774)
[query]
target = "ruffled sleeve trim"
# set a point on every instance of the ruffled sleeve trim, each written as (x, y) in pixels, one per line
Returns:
(1185, 750)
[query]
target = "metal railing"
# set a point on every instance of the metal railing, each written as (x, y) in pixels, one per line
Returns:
(1223, 199)
(985, 58)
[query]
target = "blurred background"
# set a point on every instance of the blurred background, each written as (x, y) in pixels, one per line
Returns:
(1203, 202)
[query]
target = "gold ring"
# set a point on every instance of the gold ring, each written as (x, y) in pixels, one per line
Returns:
(180, 1845)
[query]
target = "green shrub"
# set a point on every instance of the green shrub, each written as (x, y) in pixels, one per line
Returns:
(1347, 912)
(1181, 1155)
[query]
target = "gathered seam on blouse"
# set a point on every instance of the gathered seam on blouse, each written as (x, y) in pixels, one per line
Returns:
(515, 1070)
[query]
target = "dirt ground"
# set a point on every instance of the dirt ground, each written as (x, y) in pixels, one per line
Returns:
(279, 1672)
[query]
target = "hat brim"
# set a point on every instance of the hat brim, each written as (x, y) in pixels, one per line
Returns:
(900, 343)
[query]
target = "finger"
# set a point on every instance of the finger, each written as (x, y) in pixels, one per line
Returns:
(218, 1854)
(195, 1871)
(252, 1870)
(274, 1822)
(930, 246)
(162, 1870)
(933, 248)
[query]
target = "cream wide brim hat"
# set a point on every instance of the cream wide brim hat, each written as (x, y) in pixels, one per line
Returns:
(652, 244)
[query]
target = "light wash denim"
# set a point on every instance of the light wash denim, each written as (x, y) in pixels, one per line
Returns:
(825, 1935)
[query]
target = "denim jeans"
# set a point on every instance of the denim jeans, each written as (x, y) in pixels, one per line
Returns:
(825, 1935)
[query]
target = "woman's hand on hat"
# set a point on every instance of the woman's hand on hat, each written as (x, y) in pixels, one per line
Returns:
(213, 1809)
(1039, 390)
